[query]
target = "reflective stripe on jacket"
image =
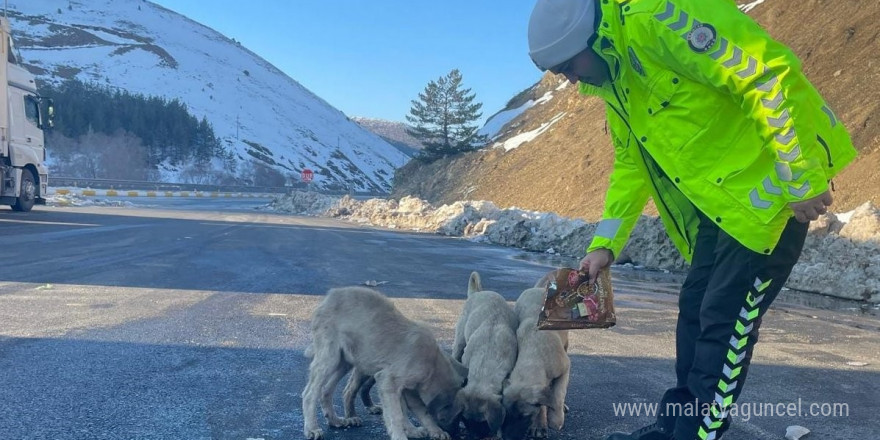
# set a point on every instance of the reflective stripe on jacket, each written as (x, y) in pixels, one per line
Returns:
(706, 110)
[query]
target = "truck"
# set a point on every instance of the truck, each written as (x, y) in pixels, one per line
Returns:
(24, 114)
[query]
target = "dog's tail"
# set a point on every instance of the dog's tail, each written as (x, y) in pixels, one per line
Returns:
(474, 283)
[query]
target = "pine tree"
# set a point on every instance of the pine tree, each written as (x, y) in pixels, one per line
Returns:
(443, 118)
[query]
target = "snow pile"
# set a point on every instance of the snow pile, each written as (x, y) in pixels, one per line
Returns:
(457, 219)
(303, 203)
(840, 258)
(649, 246)
(74, 200)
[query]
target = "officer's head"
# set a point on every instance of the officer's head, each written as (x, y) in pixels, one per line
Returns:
(560, 36)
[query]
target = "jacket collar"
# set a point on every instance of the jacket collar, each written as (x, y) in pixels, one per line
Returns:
(608, 19)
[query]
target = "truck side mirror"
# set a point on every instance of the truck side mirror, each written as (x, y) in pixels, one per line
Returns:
(50, 111)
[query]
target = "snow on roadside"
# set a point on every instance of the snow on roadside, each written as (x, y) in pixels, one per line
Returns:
(74, 200)
(841, 259)
(492, 127)
(515, 141)
(302, 203)
(749, 6)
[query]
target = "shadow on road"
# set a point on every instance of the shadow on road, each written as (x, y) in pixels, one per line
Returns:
(92, 389)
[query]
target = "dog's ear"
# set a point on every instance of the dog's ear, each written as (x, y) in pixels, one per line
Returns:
(494, 413)
(545, 397)
(460, 370)
(512, 394)
(534, 394)
(474, 283)
(461, 401)
(545, 280)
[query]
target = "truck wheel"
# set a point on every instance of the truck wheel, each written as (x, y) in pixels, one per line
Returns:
(28, 195)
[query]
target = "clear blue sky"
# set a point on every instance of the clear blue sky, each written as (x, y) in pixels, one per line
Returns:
(372, 57)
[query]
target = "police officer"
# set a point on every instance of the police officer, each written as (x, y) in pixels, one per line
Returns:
(714, 120)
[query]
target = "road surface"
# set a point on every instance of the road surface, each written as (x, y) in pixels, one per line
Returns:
(187, 319)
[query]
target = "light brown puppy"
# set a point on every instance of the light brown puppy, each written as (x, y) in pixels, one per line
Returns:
(485, 343)
(535, 394)
(358, 384)
(361, 384)
(356, 327)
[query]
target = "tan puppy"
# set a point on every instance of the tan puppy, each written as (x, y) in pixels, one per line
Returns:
(535, 394)
(358, 384)
(485, 343)
(360, 328)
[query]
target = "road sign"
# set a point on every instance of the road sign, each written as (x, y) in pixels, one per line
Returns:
(307, 175)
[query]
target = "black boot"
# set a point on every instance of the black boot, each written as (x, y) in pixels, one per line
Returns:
(650, 432)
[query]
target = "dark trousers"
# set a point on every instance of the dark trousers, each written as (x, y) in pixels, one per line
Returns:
(727, 291)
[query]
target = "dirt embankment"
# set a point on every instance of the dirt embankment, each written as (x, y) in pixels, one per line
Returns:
(565, 169)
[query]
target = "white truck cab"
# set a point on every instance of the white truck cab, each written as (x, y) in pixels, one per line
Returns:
(24, 115)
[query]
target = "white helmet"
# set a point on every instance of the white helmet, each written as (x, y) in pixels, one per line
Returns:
(559, 30)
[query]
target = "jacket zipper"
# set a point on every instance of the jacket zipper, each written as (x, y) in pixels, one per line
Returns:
(827, 151)
(620, 113)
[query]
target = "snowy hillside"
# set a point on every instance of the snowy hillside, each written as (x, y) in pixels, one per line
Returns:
(393, 132)
(259, 112)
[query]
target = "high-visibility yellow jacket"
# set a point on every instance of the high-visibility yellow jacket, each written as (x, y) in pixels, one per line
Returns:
(706, 110)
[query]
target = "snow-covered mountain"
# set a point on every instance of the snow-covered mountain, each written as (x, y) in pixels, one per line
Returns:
(393, 132)
(259, 112)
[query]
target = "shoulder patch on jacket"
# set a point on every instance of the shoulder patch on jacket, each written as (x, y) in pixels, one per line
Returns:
(701, 38)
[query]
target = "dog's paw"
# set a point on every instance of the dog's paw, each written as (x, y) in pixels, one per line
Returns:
(538, 432)
(337, 423)
(439, 434)
(375, 409)
(352, 421)
(414, 432)
(314, 434)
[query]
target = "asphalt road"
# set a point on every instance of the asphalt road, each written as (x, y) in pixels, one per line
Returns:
(187, 320)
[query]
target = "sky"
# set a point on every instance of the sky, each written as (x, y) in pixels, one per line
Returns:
(371, 58)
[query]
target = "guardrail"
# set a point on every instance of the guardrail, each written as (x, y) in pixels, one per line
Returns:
(61, 191)
(117, 184)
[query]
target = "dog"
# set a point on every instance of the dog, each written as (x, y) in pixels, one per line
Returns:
(358, 384)
(485, 343)
(534, 396)
(361, 384)
(356, 327)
